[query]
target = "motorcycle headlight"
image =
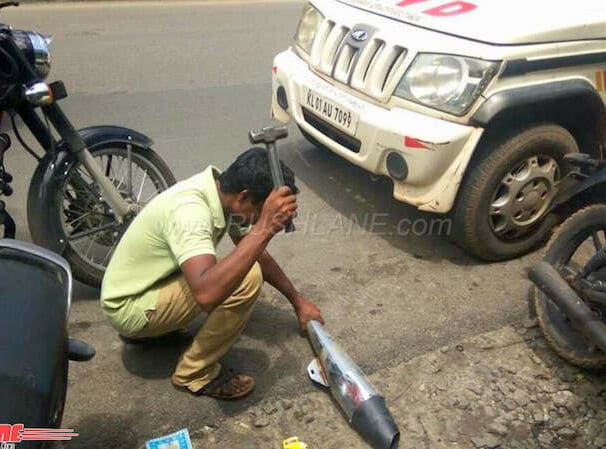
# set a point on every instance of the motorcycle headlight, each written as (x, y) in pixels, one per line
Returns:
(35, 47)
(308, 27)
(445, 82)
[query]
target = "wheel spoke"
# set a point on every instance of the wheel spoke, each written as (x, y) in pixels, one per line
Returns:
(108, 166)
(141, 186)
(503, 223)
(84, 234)
(549, 171)
(129, 172)
(90, 246)
(87, 214)
(110, 251)
(124, 175)
(75, 209)
(501, 211)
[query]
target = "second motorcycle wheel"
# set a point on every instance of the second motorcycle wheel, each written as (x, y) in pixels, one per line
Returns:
(91, 230)
(575, 242)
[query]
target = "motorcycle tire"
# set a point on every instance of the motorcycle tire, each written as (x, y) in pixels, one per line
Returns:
(84, 270)
(568, 342)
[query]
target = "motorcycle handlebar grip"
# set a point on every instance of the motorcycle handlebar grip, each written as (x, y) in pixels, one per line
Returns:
(79, 351)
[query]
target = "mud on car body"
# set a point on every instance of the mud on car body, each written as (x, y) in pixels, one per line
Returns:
(468, 106)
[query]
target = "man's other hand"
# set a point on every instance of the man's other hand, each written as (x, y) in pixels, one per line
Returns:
(307, 311)
(279, 209)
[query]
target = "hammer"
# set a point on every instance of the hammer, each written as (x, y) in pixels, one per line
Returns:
(269, 135)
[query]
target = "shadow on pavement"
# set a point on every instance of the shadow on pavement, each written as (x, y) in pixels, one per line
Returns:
(104, 430)
(156, 358)
(271, 324)
(85, 292)
(354, 192)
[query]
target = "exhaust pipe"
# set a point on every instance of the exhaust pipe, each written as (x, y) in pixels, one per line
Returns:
(364, 407)
(549, 281)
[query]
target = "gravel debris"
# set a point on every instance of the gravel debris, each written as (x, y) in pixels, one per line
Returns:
(514, 396)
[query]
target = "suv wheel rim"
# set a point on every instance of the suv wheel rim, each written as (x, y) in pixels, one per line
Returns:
(523, 196)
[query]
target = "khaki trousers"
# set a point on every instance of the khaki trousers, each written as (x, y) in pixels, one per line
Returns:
(176, 308)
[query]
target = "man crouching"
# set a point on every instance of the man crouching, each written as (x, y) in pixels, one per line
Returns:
(164, 272)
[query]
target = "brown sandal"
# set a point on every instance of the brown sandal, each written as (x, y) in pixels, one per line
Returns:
(228, 386)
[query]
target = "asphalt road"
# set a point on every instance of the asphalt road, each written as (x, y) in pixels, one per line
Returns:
(196, 77)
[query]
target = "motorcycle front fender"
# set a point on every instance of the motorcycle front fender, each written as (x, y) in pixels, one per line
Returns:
(43, 202)
(580, 193)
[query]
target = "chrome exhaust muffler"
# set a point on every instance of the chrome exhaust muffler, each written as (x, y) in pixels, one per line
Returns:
(364, 407)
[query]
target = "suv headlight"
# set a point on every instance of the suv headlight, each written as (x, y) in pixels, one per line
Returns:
(445, 82)
(308, 27)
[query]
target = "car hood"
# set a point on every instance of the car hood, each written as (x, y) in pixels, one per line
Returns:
(510, 22)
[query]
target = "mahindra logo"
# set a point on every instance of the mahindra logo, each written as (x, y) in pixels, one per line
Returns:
(359, 35)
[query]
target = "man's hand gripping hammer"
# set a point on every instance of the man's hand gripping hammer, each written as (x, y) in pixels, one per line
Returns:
(269, 135)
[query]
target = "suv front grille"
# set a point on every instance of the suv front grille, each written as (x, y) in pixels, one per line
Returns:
(335, 134)
(368, 66)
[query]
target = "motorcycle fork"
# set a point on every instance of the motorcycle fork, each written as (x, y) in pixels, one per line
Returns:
(76, 145)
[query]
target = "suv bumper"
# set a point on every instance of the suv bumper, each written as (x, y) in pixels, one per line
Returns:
(436, 152)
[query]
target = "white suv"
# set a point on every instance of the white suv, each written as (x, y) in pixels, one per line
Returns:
(468, 106)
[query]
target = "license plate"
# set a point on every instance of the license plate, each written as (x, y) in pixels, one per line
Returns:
(337, 115)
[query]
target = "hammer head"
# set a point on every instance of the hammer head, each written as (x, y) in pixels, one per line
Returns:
(267, 135)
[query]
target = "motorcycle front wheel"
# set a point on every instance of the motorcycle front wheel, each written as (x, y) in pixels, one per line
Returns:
(90, 229)
(570, 248)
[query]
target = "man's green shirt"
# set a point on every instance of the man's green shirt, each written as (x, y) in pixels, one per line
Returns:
(184, 221)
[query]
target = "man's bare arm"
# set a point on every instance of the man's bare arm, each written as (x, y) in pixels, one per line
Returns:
(274, 275)
(212, 282)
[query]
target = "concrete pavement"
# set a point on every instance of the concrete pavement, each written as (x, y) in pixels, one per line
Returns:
(500, 390)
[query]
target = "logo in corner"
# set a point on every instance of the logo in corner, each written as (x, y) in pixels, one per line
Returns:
(10, 434)
(359, 35)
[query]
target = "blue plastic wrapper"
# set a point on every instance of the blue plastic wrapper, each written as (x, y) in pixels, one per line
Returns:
(177, 440)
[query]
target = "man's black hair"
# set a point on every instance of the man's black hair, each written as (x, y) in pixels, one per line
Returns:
(250, 171)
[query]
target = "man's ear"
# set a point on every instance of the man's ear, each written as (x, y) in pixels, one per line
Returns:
(243, 196)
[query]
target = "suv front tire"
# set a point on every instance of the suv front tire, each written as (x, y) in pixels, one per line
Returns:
(502, 210)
